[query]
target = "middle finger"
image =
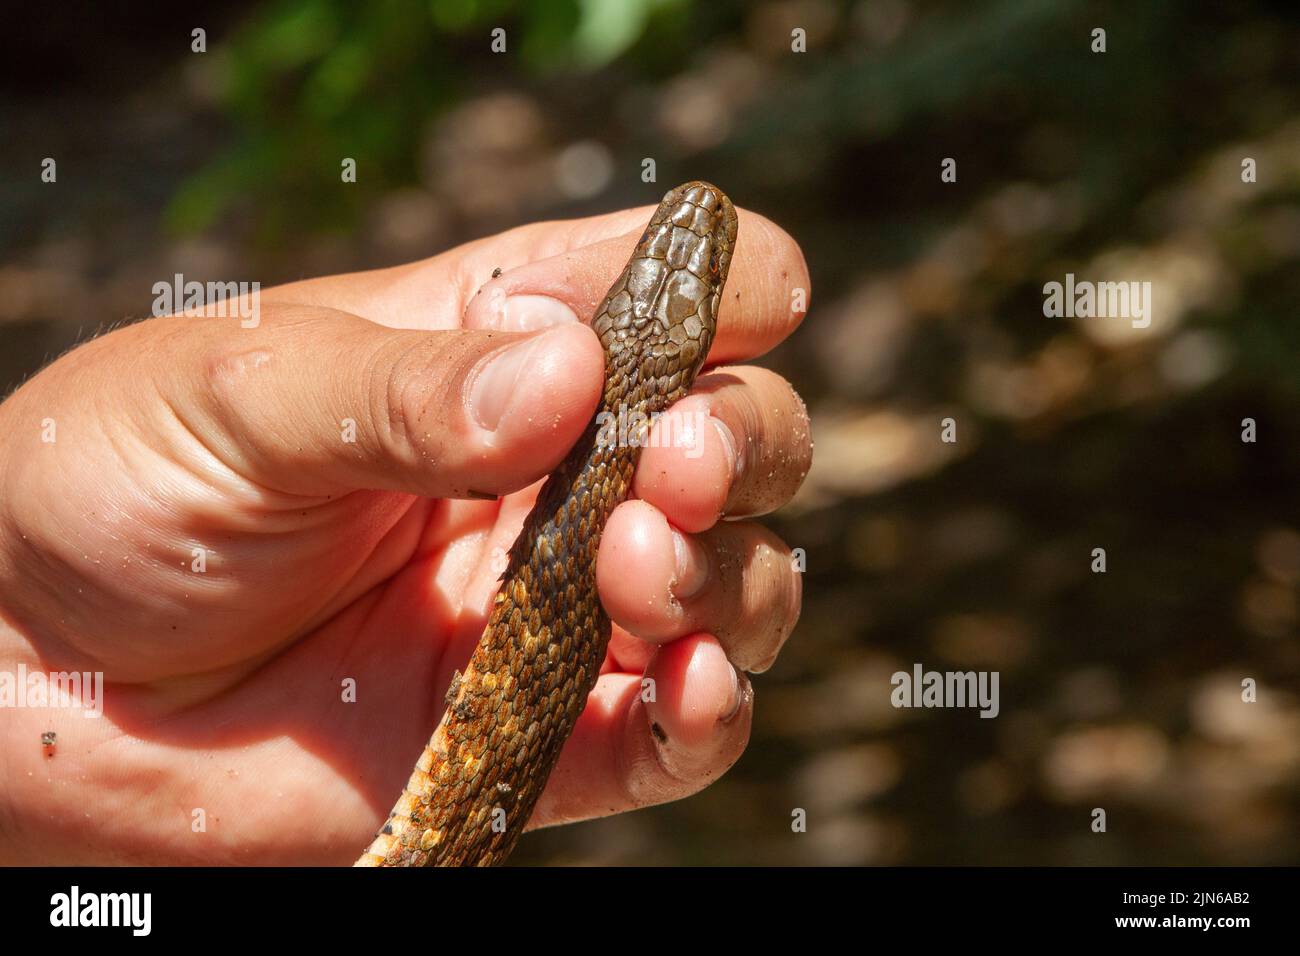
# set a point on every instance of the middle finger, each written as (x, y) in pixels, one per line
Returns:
(739, 445)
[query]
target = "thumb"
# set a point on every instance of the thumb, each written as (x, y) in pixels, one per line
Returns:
(322, 402)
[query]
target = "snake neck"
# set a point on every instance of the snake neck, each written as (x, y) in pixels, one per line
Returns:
(562, 533)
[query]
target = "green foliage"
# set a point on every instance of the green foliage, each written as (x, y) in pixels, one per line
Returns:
(306, 83)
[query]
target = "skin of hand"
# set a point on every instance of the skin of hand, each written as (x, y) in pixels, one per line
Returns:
(227, 734)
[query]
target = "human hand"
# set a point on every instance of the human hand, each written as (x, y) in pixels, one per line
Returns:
(202, 532)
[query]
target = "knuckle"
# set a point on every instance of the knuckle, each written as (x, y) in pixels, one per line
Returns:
(777, 445)
(761, 595)
(401, 378)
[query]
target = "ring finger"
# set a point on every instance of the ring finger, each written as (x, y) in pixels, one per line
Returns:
(736, 581)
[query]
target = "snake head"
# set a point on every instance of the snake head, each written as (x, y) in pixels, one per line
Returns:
(661, 315)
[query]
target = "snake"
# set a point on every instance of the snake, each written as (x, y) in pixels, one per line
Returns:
(508, 715)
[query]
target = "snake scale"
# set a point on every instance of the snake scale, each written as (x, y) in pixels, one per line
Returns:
(476, 783)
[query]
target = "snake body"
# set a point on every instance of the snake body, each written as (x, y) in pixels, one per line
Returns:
(476, 783)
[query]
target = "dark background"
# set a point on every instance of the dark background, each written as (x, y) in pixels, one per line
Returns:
(1118, 690)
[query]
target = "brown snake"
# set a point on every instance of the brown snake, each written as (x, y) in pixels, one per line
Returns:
(474, 787)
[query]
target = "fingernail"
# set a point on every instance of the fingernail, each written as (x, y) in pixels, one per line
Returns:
(528, 313)
(494, 384)
(730, 447)
(739, 690)
(692, 567)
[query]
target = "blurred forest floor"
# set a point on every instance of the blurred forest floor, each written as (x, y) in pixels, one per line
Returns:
(1119, 690)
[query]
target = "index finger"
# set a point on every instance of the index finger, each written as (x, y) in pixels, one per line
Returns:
(572, 263)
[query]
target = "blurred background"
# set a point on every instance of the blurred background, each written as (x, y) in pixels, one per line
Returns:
(1119, 690)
